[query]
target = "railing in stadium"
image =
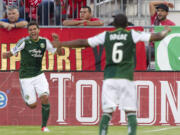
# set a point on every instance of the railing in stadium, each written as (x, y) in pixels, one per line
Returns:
(136, 10)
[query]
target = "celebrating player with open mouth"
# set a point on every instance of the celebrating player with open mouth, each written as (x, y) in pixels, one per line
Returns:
(32, 79)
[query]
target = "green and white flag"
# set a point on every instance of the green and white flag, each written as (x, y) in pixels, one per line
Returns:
(167, 51)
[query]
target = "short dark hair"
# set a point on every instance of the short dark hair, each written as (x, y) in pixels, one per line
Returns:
(32, 23)
(89, 9)
(120, 20)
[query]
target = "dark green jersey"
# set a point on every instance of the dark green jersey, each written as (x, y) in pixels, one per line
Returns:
(31, 55)
(120, 51)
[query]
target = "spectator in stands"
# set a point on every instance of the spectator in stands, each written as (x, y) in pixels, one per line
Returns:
(85, 19)
(12, 20)
(159, 11)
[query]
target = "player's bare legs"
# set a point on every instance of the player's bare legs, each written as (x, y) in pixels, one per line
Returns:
(44, 99)
(32, 106)
(45, 112)
(132, 122)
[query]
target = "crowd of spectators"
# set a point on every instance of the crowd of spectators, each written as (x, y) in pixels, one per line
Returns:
(42, 11)
(13, 20)
(47, 12)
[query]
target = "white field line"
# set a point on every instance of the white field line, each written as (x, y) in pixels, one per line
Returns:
(162, 129)
(35, 132)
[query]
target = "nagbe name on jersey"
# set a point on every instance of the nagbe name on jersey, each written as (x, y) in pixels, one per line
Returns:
(118, 36)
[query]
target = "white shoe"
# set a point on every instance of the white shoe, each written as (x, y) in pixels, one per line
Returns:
(45, 129)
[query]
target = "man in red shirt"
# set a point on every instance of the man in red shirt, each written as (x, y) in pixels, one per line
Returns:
(159, 11)
(85, 19)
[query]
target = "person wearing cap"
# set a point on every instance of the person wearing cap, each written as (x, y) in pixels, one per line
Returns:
(12, 20)
(159, 11)
(118, 88)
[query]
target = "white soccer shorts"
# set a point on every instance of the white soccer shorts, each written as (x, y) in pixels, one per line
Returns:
(119, 93)
(31, 86)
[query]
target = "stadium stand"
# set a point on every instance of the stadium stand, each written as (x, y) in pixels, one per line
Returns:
(137, 11)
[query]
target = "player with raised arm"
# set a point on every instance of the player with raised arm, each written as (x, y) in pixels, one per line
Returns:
(118, 86)
(32, 79)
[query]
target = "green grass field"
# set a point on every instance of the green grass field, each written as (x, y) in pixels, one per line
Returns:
(88, 130)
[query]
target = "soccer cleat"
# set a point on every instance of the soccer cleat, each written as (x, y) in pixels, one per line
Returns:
(45, 129)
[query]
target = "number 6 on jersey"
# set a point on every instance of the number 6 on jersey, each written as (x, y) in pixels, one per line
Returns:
(117, 54)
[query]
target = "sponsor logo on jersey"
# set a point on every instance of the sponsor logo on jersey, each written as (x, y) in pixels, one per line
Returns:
(42, 45)
(35, 53)
(3, 99)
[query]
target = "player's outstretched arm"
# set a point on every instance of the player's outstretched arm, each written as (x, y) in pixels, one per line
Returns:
(160, 35)
(73, 44)
(6, 55)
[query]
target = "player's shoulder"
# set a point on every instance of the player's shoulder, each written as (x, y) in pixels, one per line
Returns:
(24, 39)
(132, 31)
(135, 33)
(21, 41)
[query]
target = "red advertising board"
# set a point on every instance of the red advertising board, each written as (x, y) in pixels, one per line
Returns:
(75, 99)
(75, 59)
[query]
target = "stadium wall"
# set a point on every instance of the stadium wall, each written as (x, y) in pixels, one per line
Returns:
(75, 83)
(75, 59)
(75, 99)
